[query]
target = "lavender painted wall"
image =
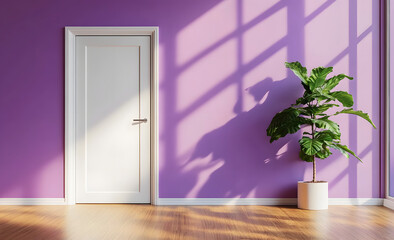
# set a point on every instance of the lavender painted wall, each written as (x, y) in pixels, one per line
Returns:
(222, 79)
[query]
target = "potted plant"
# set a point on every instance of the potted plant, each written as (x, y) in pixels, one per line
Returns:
(321, 133)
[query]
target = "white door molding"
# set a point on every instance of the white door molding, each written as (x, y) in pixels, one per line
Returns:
(70, 101)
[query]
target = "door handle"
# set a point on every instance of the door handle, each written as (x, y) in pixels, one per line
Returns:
(140, 120)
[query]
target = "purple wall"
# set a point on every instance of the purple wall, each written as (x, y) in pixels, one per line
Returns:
(222, 78)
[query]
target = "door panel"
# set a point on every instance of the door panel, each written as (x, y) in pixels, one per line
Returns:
(113, 151)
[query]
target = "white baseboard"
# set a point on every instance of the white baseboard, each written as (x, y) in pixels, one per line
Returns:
(355, 201)
(263, 201)
(388, 203)
(227, 201)
(32, 201)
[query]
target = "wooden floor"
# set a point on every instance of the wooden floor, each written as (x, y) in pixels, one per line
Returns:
(96, 221)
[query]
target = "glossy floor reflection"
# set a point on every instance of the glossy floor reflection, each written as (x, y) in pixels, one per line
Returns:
(121, 221)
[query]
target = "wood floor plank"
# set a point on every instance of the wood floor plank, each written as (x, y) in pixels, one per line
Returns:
(122, 221)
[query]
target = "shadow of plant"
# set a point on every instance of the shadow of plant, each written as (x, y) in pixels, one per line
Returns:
(248, 165)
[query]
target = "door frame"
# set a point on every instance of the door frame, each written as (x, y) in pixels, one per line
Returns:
(389, 200)
(70, 102)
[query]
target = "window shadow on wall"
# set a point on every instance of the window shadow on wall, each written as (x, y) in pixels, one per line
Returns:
(236, 159)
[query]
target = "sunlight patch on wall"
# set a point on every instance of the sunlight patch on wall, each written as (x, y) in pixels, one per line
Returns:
(320, 44)
(264, 35)
(364, 15)
(251, 9)
(282, 150)
(252, 193)
(51, 170)
(184, 158)
(341, 65)
(311, 6)
(205, 31)
(208, 72)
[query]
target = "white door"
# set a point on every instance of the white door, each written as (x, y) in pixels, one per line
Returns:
(113, 119)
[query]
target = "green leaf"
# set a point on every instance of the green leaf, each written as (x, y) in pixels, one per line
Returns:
(358, 113)
(324, 107)
(285, 122)
(318, 77)
(305, 157)
(300, 71)
(301, 100)
(306, 98)
(318, 109)
(327, 136)
(325, 123)
(304, 112)
(344, 150)
(343, 97)
(334, 81)
(320, 96)
(324, 153)
(310, 146)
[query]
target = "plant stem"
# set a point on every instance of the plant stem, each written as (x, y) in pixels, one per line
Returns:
(314, 170)
(314, 161)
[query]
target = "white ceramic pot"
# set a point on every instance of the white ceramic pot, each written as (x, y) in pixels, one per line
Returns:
(313, 196)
